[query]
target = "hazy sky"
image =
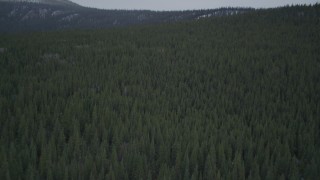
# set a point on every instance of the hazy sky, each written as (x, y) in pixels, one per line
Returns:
(187, 4)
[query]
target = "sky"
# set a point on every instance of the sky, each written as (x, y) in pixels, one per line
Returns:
(187, 4)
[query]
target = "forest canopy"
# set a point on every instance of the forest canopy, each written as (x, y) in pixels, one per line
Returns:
(232, 97)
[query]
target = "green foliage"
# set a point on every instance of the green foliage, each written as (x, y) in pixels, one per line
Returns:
(223, 98)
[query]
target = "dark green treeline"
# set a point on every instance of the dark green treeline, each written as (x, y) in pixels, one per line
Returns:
(224, 98)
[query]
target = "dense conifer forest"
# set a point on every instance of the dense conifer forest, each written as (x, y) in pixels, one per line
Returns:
(234, 97)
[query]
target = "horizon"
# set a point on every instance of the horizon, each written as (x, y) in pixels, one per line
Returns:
(177, 5)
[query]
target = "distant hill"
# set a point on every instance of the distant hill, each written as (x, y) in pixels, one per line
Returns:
(48, 2)
(41, 15)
